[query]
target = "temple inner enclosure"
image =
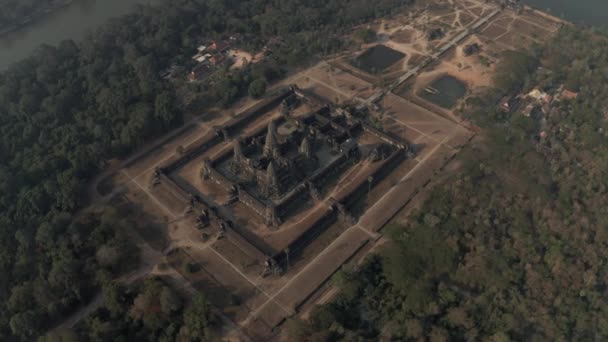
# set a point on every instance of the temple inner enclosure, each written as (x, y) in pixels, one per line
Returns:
(258, 205)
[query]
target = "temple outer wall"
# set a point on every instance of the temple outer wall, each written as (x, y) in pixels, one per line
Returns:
(384, 136)
(249, 200)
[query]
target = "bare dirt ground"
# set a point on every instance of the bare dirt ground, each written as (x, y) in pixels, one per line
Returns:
(511, 30)
(506, 31)
(240, 57)
(408, 33)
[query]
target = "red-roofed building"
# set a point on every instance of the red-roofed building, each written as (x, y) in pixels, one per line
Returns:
(569, 95)
(199, 72)
(217, 59)
(219, 46)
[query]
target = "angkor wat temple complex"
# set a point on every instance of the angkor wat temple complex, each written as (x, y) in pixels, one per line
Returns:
(278, 168)
(287, 162)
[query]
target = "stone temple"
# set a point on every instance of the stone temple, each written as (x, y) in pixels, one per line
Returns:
(273, 168)
(280, 174)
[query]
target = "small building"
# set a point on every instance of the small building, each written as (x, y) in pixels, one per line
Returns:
(507, 103)
(219, 46)
(218, 60)
(540, 96)
(536, 94)
(235, 37)
(569, 95)
(200, 72)
(272, 43)
(201, 48)
(528, 110)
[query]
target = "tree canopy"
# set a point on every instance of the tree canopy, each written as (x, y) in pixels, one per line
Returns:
(152, 311)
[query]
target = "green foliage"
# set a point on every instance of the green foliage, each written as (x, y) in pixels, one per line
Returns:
(169, 301)
(257, 88)
(416, 261)
(513, 70)
(152, 311)
(366, 35)
(25, 324)
(199, 320)
(114, 298)
(60, 335)
(297, 329)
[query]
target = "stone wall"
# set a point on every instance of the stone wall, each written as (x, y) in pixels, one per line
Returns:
(284, 206)
(304, 239)
(246, 246)
(387, 166)
(312, 98)
(219, 178)
(222, 157)
(175, 189)
(252, 202)
(328, 170)
(192, 151)
(384, 136)
(241, 121)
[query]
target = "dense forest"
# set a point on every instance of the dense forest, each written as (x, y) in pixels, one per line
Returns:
(514, 247)
(150, 311)
(68, 108)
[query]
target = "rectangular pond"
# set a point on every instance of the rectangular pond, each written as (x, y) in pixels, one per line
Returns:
(444, 91)
(376, 59)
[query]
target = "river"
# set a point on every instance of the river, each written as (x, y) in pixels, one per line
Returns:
(588, 12)
(71, 22)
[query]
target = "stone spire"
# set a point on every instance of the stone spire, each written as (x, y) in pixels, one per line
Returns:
(271, 174)
(305, 148)
(238, 151)
(271, 178)
(270, 146)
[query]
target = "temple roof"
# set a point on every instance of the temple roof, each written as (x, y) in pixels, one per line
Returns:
(270, 145)
(305, 147)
